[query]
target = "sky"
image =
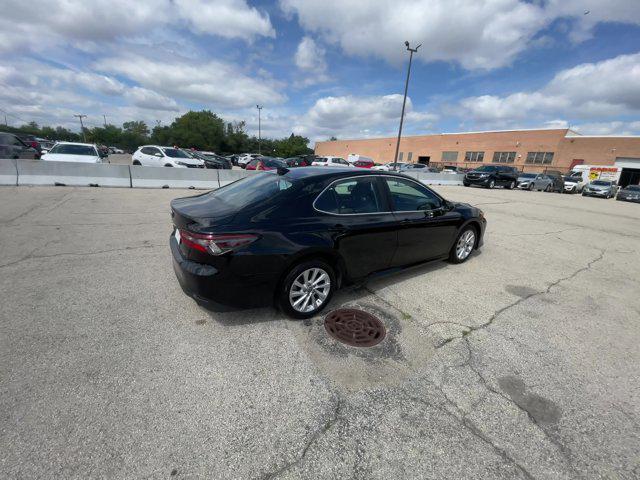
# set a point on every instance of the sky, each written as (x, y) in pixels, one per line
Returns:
(325, 68)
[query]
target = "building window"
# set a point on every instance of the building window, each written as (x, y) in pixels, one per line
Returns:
(504, 157)
(400, 155)
(474, 156)
(449, 156)
(544, 158)
(409, 155)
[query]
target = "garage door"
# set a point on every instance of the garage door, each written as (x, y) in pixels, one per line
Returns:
(628, 162)
(630, 174)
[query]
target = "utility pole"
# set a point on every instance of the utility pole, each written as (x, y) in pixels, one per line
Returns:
(404, 101)
(259, 107)
(105, 120)
(82, 126)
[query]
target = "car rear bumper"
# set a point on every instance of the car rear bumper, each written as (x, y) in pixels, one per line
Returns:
(206, 284)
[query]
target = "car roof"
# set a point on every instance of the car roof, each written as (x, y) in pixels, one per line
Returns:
(77, 143)
(321, 173)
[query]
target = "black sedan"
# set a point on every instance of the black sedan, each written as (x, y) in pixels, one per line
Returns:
(292, 237)
(630, 193)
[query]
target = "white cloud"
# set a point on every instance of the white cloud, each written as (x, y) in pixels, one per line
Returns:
(145, 98)
(38, 25)
(226, 18)
(591, 90)
(608, 128)
(310, 59)
(33, 91)
(352, 116)
(214, 83)
(477, 34)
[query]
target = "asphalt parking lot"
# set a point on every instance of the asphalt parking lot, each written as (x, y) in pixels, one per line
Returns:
(521, 363)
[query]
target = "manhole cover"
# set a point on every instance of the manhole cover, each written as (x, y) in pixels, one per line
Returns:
(354, 327)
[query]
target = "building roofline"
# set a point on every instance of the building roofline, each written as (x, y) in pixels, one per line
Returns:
(565, 130)
(603, 136)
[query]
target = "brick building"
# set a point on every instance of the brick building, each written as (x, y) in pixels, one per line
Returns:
(528, 150)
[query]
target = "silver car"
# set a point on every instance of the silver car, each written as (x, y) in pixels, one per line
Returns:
(600, 188)
(535, 181)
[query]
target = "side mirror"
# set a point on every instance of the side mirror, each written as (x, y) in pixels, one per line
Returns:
(157, 154)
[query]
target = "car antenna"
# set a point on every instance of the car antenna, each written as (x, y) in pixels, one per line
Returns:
(282, 170)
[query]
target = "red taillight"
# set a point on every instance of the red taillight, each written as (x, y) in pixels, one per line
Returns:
(215, 244)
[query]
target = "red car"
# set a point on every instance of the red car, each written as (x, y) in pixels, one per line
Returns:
(265, 163)
(363, 164)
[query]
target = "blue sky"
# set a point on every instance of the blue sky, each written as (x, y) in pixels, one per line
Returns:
(334, 67)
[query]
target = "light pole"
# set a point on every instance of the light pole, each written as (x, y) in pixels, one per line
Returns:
(259, 107)
(404, 101)
(84, 139)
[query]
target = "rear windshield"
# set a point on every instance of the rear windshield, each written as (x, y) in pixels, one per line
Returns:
(633, 188)
(253, 189)
(74, 150)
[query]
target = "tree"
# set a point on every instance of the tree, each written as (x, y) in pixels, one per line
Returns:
(292, 146)
(333, 139)
(136, 128)
(201, 130)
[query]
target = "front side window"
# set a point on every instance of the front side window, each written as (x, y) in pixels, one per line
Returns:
(175, 153)
(408, 196)
(351, 196)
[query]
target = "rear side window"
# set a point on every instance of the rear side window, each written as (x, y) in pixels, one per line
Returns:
(352, 196)
(149, 150)
(408, 196)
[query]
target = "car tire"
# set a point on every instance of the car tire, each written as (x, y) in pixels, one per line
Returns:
(464, 245)
(466, 184)
(168, 165)
(136, 162)
(547, 188)
(491, 184)
(290, 291)
(511, 186)
(531, 187)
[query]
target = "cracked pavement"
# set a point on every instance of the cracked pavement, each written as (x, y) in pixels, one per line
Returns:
(521, 363)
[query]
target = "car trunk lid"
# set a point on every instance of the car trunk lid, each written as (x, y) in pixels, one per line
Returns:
(200, 212)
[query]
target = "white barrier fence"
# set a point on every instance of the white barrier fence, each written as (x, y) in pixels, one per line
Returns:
(37, 172)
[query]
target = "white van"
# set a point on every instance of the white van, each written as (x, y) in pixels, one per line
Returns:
(596, 172)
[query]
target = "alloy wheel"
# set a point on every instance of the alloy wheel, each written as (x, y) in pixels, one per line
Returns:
(465, 244)
(309, 290)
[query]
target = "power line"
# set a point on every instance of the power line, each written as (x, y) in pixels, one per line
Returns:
(12, 115)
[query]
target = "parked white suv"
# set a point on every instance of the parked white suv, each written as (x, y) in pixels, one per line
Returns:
(331, 162)
(74, 152)
(157, 156)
